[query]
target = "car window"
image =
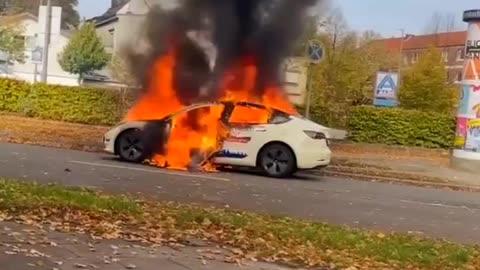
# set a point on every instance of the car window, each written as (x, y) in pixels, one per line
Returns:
(249, 115)
(279, 118)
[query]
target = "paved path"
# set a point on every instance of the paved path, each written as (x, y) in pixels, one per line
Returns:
(26, 248)
(438, 213)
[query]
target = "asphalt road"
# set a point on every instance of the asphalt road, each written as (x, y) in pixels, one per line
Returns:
(385, 207)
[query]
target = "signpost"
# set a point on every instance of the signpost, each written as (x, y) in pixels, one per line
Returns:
(37, 59)
(316, 54)
(386, 89)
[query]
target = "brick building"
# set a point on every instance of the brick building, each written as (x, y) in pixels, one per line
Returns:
(452, 45)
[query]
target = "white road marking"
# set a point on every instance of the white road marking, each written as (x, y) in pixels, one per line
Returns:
(158, 171)
(441, 205)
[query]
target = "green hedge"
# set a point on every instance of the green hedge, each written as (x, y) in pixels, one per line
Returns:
(71, 104)
(401, 127)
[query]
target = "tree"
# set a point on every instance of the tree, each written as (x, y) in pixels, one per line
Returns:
(121, 72)
(425, 87)
(310, 32)
(85, 52)
(440, 23)
(346, 77)
(11, 43)
(70, 16)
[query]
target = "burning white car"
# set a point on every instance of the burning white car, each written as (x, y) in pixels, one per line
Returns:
(277, 143)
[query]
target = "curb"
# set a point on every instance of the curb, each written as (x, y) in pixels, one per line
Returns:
(370, 178)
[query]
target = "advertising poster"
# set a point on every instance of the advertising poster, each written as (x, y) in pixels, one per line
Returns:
(461, 133)
(475, 101)
(469, 101)
(472, 142)
(464, 100)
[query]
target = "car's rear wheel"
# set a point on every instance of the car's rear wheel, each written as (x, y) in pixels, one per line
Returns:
(277, 160)
(130, 146)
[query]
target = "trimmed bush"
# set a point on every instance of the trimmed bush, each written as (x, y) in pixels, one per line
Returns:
(71, 104)
(403, 127)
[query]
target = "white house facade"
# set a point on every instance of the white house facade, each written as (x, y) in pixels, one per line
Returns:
(34, 34)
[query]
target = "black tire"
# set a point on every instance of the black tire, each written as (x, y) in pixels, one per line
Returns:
(130, 146)
(277, 160)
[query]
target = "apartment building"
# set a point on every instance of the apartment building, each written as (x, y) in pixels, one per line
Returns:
(452, 45)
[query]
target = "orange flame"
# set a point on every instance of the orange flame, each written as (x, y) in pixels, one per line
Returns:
(200, 131)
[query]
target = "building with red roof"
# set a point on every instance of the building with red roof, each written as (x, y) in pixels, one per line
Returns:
(452, 45)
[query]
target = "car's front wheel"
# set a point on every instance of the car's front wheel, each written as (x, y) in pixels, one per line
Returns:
(277, 160)
(130, 146)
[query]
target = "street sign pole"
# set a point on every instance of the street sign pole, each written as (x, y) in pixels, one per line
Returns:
(316, 54)
(35, 70)
(37, 59)
(309, 91)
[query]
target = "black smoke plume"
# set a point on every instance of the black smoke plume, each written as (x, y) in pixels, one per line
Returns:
(265, 30)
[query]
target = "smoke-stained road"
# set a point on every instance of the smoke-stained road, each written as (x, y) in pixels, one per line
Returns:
(438, 213)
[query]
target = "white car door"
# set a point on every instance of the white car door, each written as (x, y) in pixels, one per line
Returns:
(248, 128)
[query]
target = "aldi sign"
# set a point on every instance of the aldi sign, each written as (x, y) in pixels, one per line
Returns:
(386, 89)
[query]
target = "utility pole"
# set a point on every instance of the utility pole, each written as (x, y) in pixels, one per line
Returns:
(402, 42)
(46, 42)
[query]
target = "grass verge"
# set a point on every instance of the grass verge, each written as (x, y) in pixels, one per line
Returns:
(18, 129)
(21, 196)
(253, 236)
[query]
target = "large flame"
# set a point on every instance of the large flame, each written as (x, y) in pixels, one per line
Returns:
(200, 132)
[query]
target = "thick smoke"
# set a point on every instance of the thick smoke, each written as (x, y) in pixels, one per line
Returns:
(209, 37)
(229, 29)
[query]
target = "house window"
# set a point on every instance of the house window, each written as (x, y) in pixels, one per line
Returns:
(461, 54)
(445, 56)
(414, 57)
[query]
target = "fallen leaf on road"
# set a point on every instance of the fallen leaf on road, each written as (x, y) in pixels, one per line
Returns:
(79, 265)
(131, 266)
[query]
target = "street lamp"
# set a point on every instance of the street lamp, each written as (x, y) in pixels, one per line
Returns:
(401, 53)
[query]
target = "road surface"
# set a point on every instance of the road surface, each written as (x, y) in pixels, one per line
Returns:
(385, 207)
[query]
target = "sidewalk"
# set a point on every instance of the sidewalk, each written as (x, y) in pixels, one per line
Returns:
(416, 164)
(23, 247)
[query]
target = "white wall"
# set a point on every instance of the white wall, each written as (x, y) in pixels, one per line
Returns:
(35, 33)
(129, 29)
(295, 75)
